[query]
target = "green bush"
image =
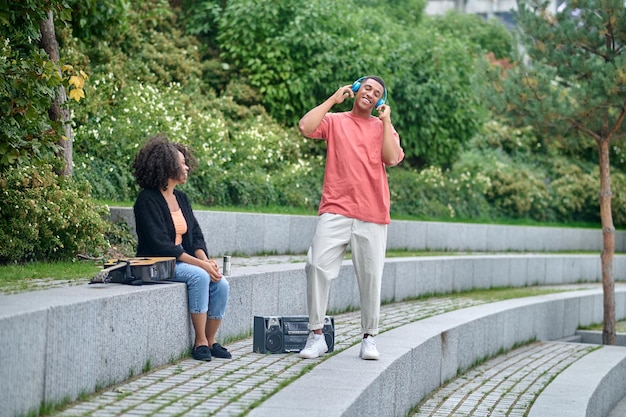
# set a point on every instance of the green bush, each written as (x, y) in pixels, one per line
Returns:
(519, 144)
(106, 144)
(434, 194)
(433, 105)
(299, 184)
(618, 203)
(423, 194)
(574, 192)
(45, 217)
(482, 36)
(518, 192)
(239, 157)
(297, 54)
(29, 84)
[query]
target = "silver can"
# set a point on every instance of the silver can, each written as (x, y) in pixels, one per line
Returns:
(226, 266)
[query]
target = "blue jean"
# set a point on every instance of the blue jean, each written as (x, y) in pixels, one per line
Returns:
(204, 295)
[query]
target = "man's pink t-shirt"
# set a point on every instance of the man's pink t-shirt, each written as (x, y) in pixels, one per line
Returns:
(355, 180)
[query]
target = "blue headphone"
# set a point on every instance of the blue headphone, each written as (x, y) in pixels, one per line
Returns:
(357, 84)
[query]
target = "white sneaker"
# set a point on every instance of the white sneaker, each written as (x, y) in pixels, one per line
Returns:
(315, 346)
(368, 349)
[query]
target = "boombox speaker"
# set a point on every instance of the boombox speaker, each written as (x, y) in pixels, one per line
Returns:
(282, 334)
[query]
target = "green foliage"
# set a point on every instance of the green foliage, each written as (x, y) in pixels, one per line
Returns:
(150, 47)
(291, 51)
(28, 86)
(92, 19)
(572, 186)
(404, 12)
(106, 144)
(434, 194)
(438, 111)
(21, 20)
(45, 217)
(27, 89)
(577, 80)
(297, 54)
(517, 143)
(202, 17)
(239, 157)
(571, 88)
(574, 191)
(618, 202)
(151, 71)
(517, 191)
(482, 36)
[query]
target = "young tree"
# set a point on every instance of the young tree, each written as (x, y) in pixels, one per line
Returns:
(58, 111)
(34, 121)
(574, 86)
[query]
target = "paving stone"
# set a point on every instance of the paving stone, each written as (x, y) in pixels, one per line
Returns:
(505, 385)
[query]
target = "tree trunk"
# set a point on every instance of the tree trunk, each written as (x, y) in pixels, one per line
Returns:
(57, 112)
(608, 243)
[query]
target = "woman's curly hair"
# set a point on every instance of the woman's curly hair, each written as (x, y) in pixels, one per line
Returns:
(157, 162)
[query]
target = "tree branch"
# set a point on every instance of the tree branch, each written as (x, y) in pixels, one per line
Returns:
(584, 129)
(618, 123)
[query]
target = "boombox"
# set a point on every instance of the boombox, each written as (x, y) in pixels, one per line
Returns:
(282, 334)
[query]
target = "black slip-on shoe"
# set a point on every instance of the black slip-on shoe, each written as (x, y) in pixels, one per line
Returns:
(220, 351)
(201, 353)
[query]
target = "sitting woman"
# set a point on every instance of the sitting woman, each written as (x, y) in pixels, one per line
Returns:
(167, 227)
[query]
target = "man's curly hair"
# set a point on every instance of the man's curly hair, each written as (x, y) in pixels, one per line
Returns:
(157, 162)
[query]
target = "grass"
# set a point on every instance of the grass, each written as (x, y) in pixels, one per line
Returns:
(30, 276)
(16, 278)
(620, 327)
(500, 294)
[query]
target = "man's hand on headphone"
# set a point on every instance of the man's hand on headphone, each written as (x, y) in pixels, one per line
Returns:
(343, 93)
(384, 112)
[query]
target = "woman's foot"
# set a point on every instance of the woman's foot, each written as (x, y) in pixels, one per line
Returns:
(201, 353)
(220, 351)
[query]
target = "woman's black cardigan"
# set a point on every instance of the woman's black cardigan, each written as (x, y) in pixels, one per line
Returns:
(155, 227)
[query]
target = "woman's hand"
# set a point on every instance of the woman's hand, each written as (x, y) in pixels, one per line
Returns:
(201, 260)
(213, 270)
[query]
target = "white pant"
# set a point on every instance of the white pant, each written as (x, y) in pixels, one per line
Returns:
(368, 242)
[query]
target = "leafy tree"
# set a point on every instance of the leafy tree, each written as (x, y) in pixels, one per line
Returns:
(484, 35)
(574, 85)
(292, 51)
(438, 111)
(34, 118)
(92, 20)
(404, 12)
(298, 53)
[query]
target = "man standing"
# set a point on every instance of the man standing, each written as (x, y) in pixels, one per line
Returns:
(354, 208)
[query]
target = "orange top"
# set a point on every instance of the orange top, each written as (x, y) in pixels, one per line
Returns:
(180, 225)
(355, 180)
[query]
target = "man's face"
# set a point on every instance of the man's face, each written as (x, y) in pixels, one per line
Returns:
(368, 95)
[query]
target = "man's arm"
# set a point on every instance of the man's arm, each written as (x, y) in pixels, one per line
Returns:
(392, 151)
(313, 118)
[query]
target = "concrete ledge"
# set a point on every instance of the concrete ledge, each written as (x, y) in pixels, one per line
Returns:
(419, 357)
(61, 343)
(251, 233)
(282, 288)
(595, 337)
(591, 387)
